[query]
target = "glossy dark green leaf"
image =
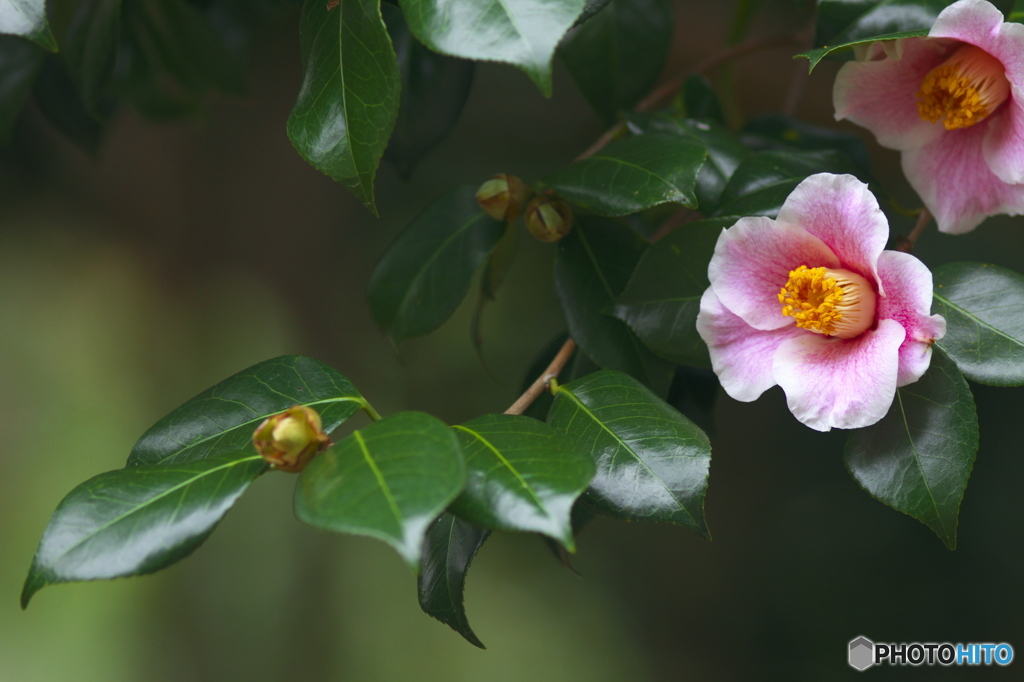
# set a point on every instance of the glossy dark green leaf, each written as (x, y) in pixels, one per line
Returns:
(349, 98)
(615, 57)
(56, 96)
(984, 310)
(450, 546)
(223, 418)
(779, 132)
(27, 18)
(425, 273)
(699, 100)
(434, 90)
(524, 33)
(582, 514)
(761, 184)
(634, 174)
(662, 300)
(20, 61)
(725, 151)
(652, 462)
(918, 458)
(694, 392)
(90, 46)
(139, 519)
(389, 481)
(522, 475)
(593, 265)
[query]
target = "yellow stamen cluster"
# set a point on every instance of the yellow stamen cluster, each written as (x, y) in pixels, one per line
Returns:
(830, 302)
(963, 90)
(811, 297)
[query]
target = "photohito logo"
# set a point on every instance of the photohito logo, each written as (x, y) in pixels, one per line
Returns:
(863, 653)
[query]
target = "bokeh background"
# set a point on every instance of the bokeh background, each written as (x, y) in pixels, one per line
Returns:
(180, 253)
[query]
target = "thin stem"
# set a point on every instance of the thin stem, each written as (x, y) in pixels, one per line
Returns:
(906, 244)
(538, 386)
(370, 412)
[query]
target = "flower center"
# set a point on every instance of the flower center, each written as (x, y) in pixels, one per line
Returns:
(830, 302)
(964, 89)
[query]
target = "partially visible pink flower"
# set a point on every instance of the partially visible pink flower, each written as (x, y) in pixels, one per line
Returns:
(810, 301)
(953, 103)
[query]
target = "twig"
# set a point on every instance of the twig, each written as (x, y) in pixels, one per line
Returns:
(670, 86)
(538, 386)
(906, 244)
(683, 215)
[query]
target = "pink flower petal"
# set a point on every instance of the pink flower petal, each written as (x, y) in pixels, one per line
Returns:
(841, 383)
(740, 355)
(908, 300)
(844, 214)
(976, 22)
(956, 184)
(881, 94)
(1003, 147)
(752, 262)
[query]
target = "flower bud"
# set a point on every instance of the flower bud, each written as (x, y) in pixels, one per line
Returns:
(289, 440)
(549, 220)
(503, 197)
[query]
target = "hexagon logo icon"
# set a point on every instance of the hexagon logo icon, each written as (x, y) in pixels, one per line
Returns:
(862, 653)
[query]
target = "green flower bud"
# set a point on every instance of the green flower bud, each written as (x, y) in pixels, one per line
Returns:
(549, 220)
(289, 440)
(503, 197)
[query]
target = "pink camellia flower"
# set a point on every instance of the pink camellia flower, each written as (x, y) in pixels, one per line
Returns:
(953, 103)
(810, 301)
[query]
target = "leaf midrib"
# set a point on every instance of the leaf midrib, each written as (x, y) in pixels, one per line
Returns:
(563, 391)
(508, 465)
(150, 501)
(978, 321)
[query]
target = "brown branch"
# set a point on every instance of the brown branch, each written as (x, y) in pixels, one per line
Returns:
(541, 384)
(906, 244)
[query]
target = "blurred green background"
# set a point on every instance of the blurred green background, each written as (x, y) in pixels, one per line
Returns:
(182, 253)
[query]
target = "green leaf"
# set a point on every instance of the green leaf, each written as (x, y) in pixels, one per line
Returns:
(524, 33)
(984, 310)
(593, 265)
(615, 58)
(138, 520)
(389, 481)
(725, 151)
(652, 462)
(761, 183)
(425, 273)
(634, 174)
(451, 544)
(522, 476)
(1017, 13)
(918, 458)
(778, 132)
(90, 46)
(815, 56)
(662, 300)
(20, 61)
(434, 90)
(223, 418)
(349, 98)
(699, 100)
(27, 18)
